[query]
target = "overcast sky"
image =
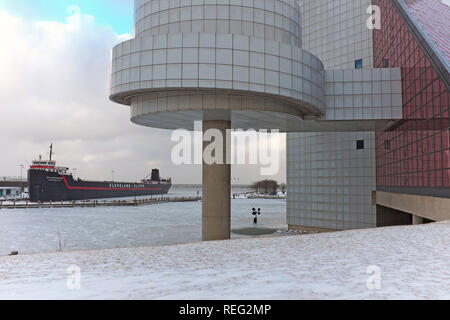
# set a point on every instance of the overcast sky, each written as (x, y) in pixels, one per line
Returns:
(54, 63)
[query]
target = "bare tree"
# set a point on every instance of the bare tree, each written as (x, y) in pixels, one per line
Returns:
(266, 187)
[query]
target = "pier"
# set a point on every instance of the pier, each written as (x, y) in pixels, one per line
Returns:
(94, 203)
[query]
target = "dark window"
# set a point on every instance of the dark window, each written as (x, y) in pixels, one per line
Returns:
(385, 63)
(359, 64)
(8, 192)
(1, 192)
(359, 144)
(387, 144)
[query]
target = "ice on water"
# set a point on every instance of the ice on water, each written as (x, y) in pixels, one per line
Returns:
(41, 230)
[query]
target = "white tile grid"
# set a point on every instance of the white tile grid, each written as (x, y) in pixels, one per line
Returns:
(340, 178)
(218, 60)
(329, 181)
(274, 19)
(361, 95)
(337, 33)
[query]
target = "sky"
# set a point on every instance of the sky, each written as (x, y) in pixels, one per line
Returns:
(55, 64)
(116, 13)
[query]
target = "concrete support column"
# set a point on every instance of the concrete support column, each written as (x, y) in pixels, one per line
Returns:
(417, 219)
(216, 210)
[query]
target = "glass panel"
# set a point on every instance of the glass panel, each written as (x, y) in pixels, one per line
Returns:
(417, 152)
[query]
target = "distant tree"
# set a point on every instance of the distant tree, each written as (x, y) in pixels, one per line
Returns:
(255, 186)
(283, 188)
(266, 187)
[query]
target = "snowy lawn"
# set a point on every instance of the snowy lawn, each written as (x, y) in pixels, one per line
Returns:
(414, 263)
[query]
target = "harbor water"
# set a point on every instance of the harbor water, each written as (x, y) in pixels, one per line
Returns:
(69, 229)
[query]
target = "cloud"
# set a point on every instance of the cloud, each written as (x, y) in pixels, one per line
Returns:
(54, 88)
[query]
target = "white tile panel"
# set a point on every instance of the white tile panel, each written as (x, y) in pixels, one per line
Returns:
(330, 181)
(288, 71)
(342, 91)
(327, 167)
(277, 20)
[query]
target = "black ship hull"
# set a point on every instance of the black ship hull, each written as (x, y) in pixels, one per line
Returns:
(52, 186)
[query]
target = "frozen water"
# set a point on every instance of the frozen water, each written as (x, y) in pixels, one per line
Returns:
(36, 230)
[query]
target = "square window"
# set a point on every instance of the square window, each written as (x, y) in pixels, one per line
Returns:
(359, 64)
(359, 144)
(387, 144)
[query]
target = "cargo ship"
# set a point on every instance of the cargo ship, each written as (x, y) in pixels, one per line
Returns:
(48, 182)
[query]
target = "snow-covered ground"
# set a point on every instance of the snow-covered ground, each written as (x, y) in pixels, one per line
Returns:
(413, 263)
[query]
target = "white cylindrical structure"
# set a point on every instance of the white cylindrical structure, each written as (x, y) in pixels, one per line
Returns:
(243, 57)
(278, 20)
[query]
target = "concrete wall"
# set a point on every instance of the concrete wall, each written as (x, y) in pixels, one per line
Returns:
(431, 208)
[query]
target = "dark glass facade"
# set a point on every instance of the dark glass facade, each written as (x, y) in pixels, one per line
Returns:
(414, 155)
